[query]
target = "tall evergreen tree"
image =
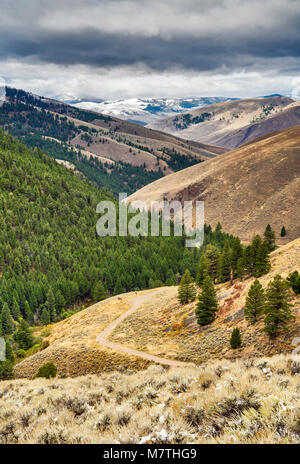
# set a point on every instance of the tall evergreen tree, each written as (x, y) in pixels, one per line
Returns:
(28, 313)
(6, 320)
(236, 254)
(259, 257)
(186, 289)
(225, 263)
(213, 258)
(202, 270)
(283, 232)
(269, 236)
(277, 309)
(45, 317)
(118, 287)
(294, 281)
(170, 278)
(240, 268)
(207, 305)
(50, 305)
(9, 352)
(23, 335)
(254, 302)
(99, 292)
(15, 310)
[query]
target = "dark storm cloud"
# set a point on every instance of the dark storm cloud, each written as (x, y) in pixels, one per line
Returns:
(202, 36)
(93, 48)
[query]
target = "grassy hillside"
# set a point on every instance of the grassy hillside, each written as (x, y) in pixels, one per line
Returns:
(175, 333)
(163, 327)
(245, 189)
(90, 141)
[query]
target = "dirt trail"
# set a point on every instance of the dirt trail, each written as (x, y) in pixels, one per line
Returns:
(102, 337)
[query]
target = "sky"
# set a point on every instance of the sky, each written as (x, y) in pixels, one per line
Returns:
(111, 49)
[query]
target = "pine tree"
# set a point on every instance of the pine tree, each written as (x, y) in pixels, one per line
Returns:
(258, 257)
(50, 305)
(283, 232)
(99, 293)
(45, 317)
(6, 320)
(15, 310)
(202, 270)
(17, 266)
(294, 281)
(262, 266)
(23, 335)
(207, 305)
(28, 313)
(269, 236)
(254, 302)
(186, 289)
(9, 352)
(59, 301)
(241, 268)
(236, 255)
(170, 278)
(213, 258)
(6, 370)
(235, 339)
(225, 263)
(118, 287)
(277, 309)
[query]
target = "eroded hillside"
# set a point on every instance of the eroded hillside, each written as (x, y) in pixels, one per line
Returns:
(245, 189)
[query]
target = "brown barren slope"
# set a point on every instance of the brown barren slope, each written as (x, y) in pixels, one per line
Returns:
(230, 124)
(244, 189)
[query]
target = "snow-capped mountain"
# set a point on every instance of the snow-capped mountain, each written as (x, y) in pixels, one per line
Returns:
(147, 110)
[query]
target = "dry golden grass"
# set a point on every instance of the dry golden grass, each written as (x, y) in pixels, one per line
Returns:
(222, 402)
(245, 189)
(175, 333)
(73, 347)
(230, 122)
(162, 327)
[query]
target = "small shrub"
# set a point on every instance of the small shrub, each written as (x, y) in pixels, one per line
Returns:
(46, 332)
(236, 340)
(6, 370)
(47, 370)
(44, 344)
(21, 353)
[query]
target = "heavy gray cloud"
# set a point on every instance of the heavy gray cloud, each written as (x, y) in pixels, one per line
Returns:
(160, 37)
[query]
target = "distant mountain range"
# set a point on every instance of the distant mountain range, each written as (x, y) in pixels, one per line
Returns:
(146, 110)
(108, 151)
(230, 124)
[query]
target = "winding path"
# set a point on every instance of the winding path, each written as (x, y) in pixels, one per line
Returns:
(102, 337)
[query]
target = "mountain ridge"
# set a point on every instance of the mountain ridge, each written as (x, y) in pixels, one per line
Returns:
(232, 123)
(147, 110)
(244, 189)
(86, 139)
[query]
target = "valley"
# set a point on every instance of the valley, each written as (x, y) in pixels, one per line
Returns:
(149, 229)
(92, 140)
